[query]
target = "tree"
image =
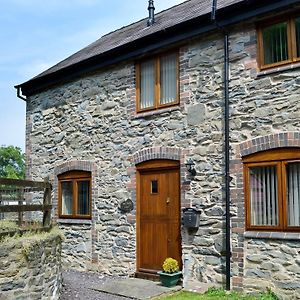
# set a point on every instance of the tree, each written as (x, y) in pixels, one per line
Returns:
(12, 162)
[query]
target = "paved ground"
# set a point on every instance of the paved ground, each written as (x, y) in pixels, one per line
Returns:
(94, 286)
(77, 285)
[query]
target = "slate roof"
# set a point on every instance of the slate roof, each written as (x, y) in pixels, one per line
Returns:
(168, 18)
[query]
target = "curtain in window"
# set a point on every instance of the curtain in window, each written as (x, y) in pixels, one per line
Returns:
(168, 79)
(275, 43)
(147, 84)
(293, 193)
(66, 197)
(264, 195)
(297, 25)
(83, 194)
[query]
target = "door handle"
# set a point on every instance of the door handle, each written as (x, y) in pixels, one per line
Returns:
(168, 200)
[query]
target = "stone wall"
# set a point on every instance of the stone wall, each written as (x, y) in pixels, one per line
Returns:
(93, 119)
(30, 268)
(264, 115)
(274, 264)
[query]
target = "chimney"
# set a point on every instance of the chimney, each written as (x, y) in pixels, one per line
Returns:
(151, 9)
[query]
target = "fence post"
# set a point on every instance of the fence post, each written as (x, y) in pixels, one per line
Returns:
(47, 211)
(20, 213)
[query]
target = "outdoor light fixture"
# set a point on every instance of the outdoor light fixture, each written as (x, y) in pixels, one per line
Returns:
(190, 165)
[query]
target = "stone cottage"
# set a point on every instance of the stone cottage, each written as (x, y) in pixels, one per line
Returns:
(189, 115)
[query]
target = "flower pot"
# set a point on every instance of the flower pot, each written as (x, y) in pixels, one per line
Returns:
(169, 279)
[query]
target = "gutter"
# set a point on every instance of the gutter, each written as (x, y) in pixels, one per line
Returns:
(169, 37)
(19, 94)
(226, 143)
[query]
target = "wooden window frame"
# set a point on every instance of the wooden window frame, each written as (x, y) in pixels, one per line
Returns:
(156, 87)
(280, 158)
(292, 43)
(74, 177)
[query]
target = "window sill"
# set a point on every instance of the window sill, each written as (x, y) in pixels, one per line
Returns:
(278, 69)
(272, 235)
(150, 113)
(74, 221)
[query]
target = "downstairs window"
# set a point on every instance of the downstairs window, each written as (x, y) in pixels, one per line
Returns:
(272, 190)
(74, 190)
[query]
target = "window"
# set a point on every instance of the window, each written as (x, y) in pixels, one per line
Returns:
(279, 42)
(272, 190)
(75, 195)
(157, 82)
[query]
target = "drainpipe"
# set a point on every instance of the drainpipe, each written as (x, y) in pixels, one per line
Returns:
(226, 142)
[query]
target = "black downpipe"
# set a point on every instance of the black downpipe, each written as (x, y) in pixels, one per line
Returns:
(226, 142)
(227, 174)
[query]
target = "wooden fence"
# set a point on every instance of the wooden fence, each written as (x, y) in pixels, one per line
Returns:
(14, 198)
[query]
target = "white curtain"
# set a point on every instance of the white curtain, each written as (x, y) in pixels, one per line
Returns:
(264, 195)
(293, 193)
(168, 79)
(147, 84)
(66, 195)
(83, 206)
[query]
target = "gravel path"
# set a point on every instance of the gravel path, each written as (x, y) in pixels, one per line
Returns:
(77, 285)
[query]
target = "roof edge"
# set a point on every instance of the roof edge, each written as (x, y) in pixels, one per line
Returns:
(226, 16)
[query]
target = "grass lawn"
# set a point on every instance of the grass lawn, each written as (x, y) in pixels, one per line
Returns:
(216, 294)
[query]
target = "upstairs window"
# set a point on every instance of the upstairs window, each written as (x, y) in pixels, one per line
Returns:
(157, 82)
(75, 195)
(279, 42)
(272, 190)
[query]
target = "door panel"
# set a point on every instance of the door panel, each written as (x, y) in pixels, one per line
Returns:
(159, 218)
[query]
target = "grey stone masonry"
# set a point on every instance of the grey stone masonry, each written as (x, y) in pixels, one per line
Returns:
(93, 119)
(30, 268)
(273, 264)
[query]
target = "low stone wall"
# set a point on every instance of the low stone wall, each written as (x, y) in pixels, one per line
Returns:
(273, 264)
(30, 267)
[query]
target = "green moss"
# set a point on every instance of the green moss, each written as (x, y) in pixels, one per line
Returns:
(32, 240)
(8, 226)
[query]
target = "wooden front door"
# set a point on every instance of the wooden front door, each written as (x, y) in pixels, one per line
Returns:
(158, 214)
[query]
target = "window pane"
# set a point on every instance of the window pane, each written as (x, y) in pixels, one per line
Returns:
(147, 84)
(263, 196)
(83, 206)
(293, 193)
(275, 43)
(297, 24)
(168, 79)
(154, 186)
(67, 197)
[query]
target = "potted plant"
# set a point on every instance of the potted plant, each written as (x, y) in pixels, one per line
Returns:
(170, 274)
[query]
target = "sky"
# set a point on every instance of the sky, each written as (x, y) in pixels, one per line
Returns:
(36, 34)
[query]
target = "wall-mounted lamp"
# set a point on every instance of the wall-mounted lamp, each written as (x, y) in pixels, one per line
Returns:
(190, 165)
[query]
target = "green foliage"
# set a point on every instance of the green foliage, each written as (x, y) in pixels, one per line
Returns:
(170, 265)
(218, 294)
(6, 225)
(12, 162)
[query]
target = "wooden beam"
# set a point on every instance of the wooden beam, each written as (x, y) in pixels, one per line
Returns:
(20, 208)
(25, 183)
